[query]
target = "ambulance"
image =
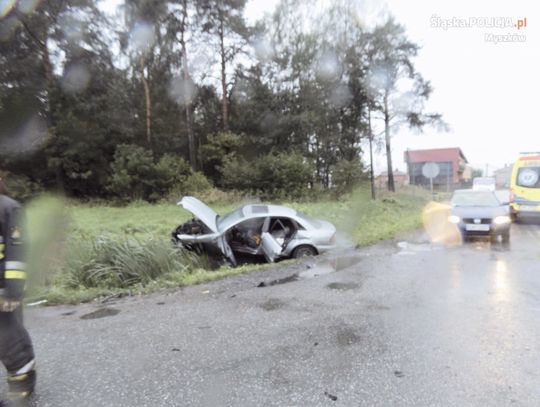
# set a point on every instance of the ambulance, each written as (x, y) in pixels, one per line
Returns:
(525, 187)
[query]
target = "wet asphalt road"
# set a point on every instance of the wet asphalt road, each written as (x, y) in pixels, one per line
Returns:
(412, 324)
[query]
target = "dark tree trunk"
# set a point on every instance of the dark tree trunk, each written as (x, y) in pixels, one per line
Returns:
(223, 57)
(187, 97)
(147, 102)
(391, 185)
(371, 174)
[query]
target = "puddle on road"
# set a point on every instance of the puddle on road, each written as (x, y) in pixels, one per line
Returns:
(347, 336)
(101, 313)
(342, 286)
(329, 266)
(407, 248)
(315, 270)
(272, 304)
(500, 247)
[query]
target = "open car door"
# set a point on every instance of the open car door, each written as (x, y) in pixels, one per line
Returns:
(271, 248)
(226, 250)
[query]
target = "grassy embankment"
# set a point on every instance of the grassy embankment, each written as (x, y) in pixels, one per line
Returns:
(104, 250)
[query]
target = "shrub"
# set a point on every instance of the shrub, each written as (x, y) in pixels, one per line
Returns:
(218, 149)
(172, 170)
(284, 175)
(239, 174)
(20, 187)
(133, 173)
(195, 184)
(346, 175)
(280, 176)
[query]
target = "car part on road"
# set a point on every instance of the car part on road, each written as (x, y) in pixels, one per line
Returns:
(101, 313)
(330, 396)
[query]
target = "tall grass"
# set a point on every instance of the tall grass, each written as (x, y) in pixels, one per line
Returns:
(108, 262)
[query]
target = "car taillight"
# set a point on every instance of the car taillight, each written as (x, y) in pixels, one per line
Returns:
(512, 196)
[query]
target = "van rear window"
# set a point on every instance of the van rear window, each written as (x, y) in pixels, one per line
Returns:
(528, 177)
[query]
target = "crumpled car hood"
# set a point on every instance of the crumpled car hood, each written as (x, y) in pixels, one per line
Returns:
(201, 211)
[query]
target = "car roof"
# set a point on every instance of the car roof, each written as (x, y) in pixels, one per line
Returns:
(267, 210)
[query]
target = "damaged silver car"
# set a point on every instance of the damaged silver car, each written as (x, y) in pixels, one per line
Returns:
(273, 231)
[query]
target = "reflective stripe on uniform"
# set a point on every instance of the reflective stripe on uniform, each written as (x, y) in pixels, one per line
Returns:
(15, 275)
(15, 265)
(18, 378)
(26, 368)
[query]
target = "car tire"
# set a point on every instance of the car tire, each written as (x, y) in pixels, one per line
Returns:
(304, 251)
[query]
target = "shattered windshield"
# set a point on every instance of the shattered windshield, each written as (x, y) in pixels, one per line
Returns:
(226, 221)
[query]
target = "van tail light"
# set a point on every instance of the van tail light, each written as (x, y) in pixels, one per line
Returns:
(512, 196)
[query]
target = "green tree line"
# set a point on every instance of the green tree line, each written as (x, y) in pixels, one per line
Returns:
(172, 96)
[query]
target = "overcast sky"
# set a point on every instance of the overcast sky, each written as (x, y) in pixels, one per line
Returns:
(486, 91)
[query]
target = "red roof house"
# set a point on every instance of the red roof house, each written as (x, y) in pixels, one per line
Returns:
(452, 164)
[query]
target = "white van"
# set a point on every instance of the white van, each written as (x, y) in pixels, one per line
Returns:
(483, 184)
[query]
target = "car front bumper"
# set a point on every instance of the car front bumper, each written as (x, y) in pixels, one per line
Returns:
(488, 230)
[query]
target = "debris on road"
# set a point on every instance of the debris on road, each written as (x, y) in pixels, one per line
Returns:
(101, 313)
(284, 280)
(330, 396)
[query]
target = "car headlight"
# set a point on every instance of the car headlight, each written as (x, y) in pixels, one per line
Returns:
(501, 220)
(454, 219)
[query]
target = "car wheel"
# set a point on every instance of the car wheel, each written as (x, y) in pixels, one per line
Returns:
(304, 251)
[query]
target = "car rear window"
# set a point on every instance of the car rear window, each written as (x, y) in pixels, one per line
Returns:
(309, 219)
(475, 198)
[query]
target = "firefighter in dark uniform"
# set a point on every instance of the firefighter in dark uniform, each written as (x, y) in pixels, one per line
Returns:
(16, 351)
